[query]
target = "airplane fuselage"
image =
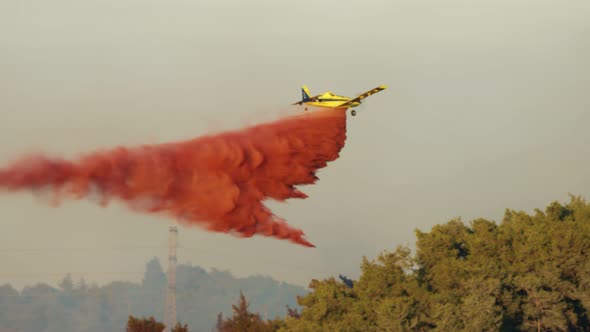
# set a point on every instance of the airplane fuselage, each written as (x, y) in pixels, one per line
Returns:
(328, 99)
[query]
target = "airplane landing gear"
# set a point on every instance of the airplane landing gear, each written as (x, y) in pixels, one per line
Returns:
(353, 112)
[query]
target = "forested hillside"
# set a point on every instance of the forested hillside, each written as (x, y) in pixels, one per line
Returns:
(78, 307)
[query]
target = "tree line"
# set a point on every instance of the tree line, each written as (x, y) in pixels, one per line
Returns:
(76, 306)
(528, 272)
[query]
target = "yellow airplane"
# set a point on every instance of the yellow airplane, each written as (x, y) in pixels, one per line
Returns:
(330, 100)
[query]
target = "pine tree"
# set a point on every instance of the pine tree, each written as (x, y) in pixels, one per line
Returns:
(243, 320)
(150, 324)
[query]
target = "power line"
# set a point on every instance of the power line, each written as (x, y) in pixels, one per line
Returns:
(101, 291)
(46, 274)
(73, 249)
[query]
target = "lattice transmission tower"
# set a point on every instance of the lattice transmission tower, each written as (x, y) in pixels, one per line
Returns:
(170, 310)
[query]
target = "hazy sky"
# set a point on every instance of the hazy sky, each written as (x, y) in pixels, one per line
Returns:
(488, 107)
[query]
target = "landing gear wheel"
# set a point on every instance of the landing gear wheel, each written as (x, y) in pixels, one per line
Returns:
(353, 112)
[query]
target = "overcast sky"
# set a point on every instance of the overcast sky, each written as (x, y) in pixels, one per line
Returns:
(488, 107)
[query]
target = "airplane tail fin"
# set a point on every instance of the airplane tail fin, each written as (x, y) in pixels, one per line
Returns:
(305, 96)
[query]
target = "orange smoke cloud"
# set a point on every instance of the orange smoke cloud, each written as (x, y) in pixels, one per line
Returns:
(218, 182)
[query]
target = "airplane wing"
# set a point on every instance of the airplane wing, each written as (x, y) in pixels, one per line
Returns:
(364, 95)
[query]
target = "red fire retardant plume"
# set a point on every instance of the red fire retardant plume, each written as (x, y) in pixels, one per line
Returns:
(218, 182)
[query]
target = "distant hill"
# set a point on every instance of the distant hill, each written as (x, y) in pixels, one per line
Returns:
(201, 295)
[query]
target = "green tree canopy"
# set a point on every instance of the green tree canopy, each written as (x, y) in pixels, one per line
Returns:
(531, 272)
